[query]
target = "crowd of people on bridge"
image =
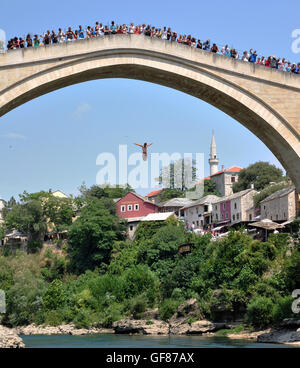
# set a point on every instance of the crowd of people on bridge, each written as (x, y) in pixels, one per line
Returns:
(164, 33)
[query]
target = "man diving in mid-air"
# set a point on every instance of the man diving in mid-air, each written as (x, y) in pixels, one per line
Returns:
(145, 149)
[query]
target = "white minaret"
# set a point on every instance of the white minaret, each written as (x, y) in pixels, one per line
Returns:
(213, 158)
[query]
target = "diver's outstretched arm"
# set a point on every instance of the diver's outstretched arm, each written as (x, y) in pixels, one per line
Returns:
(148, 145)
(138, 144)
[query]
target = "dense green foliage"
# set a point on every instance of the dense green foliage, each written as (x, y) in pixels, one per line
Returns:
(102, 277)
(260, 174)
(91, 237)
(141, 275)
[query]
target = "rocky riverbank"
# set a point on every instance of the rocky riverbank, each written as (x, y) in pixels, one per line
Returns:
(68, 329)
(9, 338)
(288, 332)
(188, 320)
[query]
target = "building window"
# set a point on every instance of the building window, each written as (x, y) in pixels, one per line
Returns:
(216, 208)
(276, 217)
(250, 217)
(233, 179)
(136, 207)
(224, 206)
(226, 215)
(233, 218)
(238, 216)
(129, 207)
(222, 216)
(217, 217)
(205, 208)
(131, 227)
(123, 208)
(235, 206)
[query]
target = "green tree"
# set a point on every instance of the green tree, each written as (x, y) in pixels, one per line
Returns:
(169, 193)
(92, 236)
(260, 311)
(260, 174)
(98, 191)
(210, 188)
(59, 211)
(29, 219)
(12, 202)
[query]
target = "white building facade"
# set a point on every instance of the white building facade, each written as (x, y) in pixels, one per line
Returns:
(199, 213)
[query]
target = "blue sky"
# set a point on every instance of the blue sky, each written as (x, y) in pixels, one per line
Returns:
(53, 141)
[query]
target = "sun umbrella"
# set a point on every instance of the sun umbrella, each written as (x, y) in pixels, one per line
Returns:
(267, 224)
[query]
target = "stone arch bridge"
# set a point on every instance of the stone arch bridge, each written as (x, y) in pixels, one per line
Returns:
(264, 100)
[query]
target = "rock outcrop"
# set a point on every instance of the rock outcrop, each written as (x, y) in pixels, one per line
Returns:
(189, 320)
(151, 314)
(287, 332)
(279, 337)
(10, 339)
(142, 327)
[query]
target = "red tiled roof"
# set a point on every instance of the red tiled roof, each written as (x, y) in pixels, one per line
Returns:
(138, 196)
(154, 193)
(231, 169)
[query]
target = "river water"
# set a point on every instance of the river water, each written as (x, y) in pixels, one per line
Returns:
(137, 341)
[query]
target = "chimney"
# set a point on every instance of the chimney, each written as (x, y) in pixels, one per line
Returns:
(223, 168)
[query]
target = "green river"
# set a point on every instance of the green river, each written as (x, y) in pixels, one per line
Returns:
(137, 341)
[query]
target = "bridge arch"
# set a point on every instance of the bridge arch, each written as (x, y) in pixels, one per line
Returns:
(265, 101)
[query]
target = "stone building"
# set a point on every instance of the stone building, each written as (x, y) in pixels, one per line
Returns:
(233, 209)
(225, 179)
(175, 205)
(199, 213)
(280, 206)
